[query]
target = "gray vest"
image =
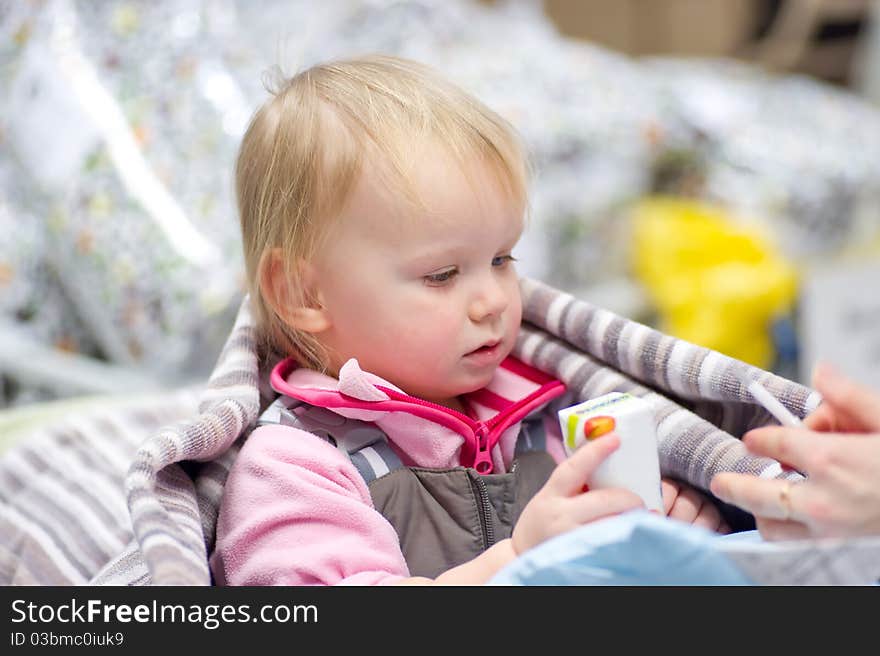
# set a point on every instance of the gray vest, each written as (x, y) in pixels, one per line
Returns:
(443, 517)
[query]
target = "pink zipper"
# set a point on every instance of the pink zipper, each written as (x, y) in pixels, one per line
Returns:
(483, 435)
(480, 437)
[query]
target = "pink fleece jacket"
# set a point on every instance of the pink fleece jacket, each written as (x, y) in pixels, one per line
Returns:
(295, 510)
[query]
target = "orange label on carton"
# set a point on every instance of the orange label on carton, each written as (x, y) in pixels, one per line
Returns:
(597, 426)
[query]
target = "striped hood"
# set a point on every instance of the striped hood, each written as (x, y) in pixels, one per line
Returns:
(425, 434)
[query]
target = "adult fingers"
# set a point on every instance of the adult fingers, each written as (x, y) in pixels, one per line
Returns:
(829, 419)
(604, 502)
(791, 446)
(768, 498)
(859, 403)
(570, 475)
(822, 419)
(776, 529)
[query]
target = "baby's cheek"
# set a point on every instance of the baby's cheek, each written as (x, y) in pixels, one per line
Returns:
(514, 313)
(436, 335)
(422, 354)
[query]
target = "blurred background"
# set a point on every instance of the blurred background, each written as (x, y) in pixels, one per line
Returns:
(708, 167)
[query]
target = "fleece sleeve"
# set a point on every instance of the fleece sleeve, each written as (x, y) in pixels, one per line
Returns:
(295, 511)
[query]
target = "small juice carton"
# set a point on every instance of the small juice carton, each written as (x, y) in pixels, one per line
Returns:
(635, 465)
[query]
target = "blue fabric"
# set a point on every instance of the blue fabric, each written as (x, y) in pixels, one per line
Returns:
(635, 548)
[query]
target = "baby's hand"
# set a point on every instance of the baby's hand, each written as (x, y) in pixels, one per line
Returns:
(687, 504)
(561, 504)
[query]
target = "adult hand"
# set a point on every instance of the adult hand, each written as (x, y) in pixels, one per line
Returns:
(562, 505)
(839, 452)
(847, 406)
(687, 504)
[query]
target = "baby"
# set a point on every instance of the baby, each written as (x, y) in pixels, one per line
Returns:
(380, 206)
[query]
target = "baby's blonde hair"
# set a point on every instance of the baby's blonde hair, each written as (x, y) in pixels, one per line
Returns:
(305, 147)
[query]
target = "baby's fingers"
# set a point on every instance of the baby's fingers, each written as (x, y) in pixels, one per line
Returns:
(710, 517)
(669, 489)
(596, 504)
(687, 505)
(570, 475)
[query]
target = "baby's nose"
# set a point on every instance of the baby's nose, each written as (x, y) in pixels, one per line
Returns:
(491, 300)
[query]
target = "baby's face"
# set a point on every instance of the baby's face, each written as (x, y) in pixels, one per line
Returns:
(427, 299)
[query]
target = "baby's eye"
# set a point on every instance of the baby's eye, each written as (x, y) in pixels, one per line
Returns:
(442, 277)
(501, 260)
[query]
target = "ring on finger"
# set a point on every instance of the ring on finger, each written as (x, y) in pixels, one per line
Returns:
(785, 498)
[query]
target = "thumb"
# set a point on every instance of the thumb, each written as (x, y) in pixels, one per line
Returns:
(858, 403)
(570, 475)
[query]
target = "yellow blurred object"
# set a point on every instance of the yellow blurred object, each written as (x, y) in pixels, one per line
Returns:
(714, 281)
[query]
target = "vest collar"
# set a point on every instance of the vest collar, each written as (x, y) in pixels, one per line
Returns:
(515, 391)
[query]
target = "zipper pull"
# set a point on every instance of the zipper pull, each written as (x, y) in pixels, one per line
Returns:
(482, 458)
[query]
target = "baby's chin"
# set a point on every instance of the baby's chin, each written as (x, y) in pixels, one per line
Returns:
(458, 384)
(443, 396)
(474, 384)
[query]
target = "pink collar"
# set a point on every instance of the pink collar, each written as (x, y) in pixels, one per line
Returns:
(515, 391)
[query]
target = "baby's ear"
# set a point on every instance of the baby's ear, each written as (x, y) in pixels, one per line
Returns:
(289, 298)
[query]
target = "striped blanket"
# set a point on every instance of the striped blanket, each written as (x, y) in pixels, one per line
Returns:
(129, 495)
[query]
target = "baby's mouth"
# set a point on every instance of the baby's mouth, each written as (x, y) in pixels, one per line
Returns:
(485, 348)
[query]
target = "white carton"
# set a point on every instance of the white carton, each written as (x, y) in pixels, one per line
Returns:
(635, 465)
